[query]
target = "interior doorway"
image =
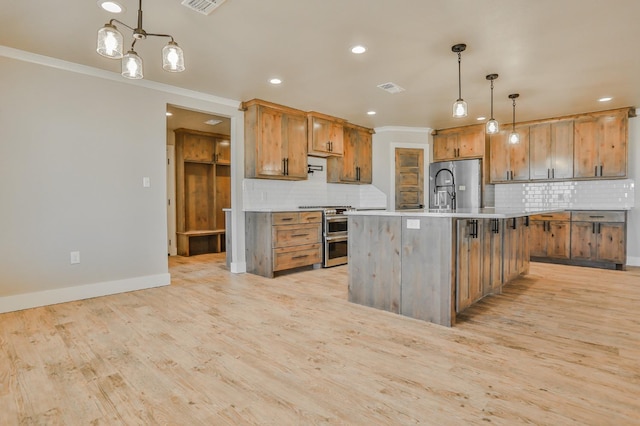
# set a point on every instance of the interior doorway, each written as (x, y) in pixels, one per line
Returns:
(195, 219)
(409, 178)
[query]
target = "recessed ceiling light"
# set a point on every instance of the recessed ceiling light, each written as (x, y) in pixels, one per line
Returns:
(481, 118)
(169, 114)
(605, 99)
(358, 49)
(371, 112)
(111, 6)
(275, 81)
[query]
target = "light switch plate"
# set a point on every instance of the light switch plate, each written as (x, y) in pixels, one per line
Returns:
(74, 257)
(146, 182)
(413, 223)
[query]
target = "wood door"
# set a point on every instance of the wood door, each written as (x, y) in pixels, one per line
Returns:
(463, 268)
(365, 156)
(270, 149)
(611, 242)
(320, 134)
(349, 155)
(561, 150)
(295, 141)
(538, 238)
(499, 155)
(471, 142)
(540, 152)
(519, 155)
(559, 240)
(445, 146)
(409, 178)
(475, 261)
(583, 240)
(612, 146)
(585, 148)
(492, 256)
(223, 151)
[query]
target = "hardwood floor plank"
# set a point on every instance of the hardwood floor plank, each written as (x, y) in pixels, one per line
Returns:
(560, 346)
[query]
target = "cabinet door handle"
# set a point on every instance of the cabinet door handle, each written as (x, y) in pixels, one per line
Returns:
(601, 170)
(596, 217)
(299, 235)
(553, 173)
(286, 166)
(599, 227)
(286, 219)
(507, 174)
(302, 256)
(596, 171)
(593, 228)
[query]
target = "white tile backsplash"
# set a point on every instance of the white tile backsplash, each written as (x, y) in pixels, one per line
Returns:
(578, 195)
(315, 191)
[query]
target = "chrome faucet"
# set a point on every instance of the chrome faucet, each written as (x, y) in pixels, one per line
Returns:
(438, 189)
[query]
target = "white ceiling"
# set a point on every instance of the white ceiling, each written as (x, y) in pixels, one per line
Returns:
(560, 55)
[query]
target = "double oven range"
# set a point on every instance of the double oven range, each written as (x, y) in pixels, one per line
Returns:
(335, 234)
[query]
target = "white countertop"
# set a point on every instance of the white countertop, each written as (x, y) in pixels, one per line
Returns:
(479, 213)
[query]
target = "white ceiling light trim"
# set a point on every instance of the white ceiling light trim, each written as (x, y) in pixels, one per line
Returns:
(111, 6)
(359, 49)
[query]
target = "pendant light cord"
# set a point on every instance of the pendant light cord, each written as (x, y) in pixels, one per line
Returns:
(514, 115)
(459, 80)
(492, 99)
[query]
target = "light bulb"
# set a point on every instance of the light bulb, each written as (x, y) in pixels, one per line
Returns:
(514, 138)
(492, 127)
(460, 108)
(110, 43)
(172, 57)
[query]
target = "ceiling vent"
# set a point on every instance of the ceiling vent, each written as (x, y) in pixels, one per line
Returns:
(391, 87)
(202, 6)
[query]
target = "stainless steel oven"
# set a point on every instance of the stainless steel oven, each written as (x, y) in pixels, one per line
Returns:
(335, 234)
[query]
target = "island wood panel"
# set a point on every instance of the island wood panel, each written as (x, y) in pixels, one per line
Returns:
(492, 256)
(371, 282)
(428, 270)
(259, 255)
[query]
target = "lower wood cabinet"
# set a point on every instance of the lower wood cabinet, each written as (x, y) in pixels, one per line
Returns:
(469, 262)
(551, 235)
(276, 241)
(515, 248)
(492, 259)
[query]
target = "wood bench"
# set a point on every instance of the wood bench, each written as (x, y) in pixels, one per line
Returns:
(199, 242)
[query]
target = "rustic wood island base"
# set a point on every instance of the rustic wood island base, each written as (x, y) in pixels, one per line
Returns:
(431, 265)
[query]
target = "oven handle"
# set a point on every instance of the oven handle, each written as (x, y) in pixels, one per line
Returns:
(340, 218)
(336, 239)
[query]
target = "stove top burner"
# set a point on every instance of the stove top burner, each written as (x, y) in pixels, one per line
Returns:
(325, 207)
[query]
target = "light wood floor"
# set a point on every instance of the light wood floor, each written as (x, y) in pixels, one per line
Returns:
(559, 347)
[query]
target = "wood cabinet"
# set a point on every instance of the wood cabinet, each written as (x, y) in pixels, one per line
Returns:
(469, 262)
(516, 248)
(550, 236)
(599, 237)
(458, 143)
(203, 189)
(509, 162)
(275, 141)
(600, 148)
(492, 256)
(551, 150)
(355, 165)
(325, 136)
(276, 241)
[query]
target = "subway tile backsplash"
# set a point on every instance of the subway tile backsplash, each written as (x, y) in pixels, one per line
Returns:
(576, 195)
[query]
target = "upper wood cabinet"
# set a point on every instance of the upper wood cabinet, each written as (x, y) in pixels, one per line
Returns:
(459, 143)
(325, 135)
(600, 148)
(509, 162)
(355, 164)
(551, 150)
(275, 141)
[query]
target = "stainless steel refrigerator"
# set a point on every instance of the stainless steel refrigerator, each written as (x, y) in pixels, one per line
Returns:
(455, 184)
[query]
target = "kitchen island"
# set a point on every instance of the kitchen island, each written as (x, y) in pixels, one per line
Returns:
(431, 264)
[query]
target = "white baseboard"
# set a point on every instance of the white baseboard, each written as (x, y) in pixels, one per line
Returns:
(633, 261)
(68, 294)
(238, 267)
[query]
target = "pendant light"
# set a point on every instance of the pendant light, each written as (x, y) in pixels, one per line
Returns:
(492, 125)
(110, 43)
(459, 106)
(514, 137)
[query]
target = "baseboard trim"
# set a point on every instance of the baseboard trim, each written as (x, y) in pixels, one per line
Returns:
(633, 261)
(19, 302)
(238, 267)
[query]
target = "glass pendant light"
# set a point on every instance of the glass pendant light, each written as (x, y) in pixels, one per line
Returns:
(172, 57)
(514, 137)
(132, 65)
(109, 42)
(492, 125)
(459, 106)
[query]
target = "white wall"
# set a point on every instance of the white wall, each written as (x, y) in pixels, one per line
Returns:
(385, 141)
(75, 144)
(633, 225)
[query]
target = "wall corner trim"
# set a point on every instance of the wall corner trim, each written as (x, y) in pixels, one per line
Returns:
(633, 261)
(69, 294)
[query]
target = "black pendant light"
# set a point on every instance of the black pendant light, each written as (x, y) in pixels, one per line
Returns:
(514, 137)
(459, 106)
(492, 125)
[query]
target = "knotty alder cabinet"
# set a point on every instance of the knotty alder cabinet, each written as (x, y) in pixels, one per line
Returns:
(459, 143)
(509, 162)
(551, 150)
(599, 237)
(355, 164)
(275, 144)
(276, 241)
(325, 135)
(550, 236)
(203, 189)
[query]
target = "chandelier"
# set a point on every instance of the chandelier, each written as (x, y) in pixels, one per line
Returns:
(110, 45)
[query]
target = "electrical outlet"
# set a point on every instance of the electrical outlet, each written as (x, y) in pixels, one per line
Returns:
(74, 257)
(146, 182)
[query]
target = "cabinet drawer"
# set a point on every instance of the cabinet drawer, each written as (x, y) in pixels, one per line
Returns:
(552, 216)
(294, 257)
(310, 217)
(296, 235)
(285, 218)
(598, 216)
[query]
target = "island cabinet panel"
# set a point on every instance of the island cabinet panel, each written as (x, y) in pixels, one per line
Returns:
(600, 148)
(492, 256)
(550, 236)
(428, 273)
(516, 248)
(599, 238)
(459, 143)
(372, 281)
(275, 141)
(469, 262)
(551, 150)
(509, 162)
(325, 135)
